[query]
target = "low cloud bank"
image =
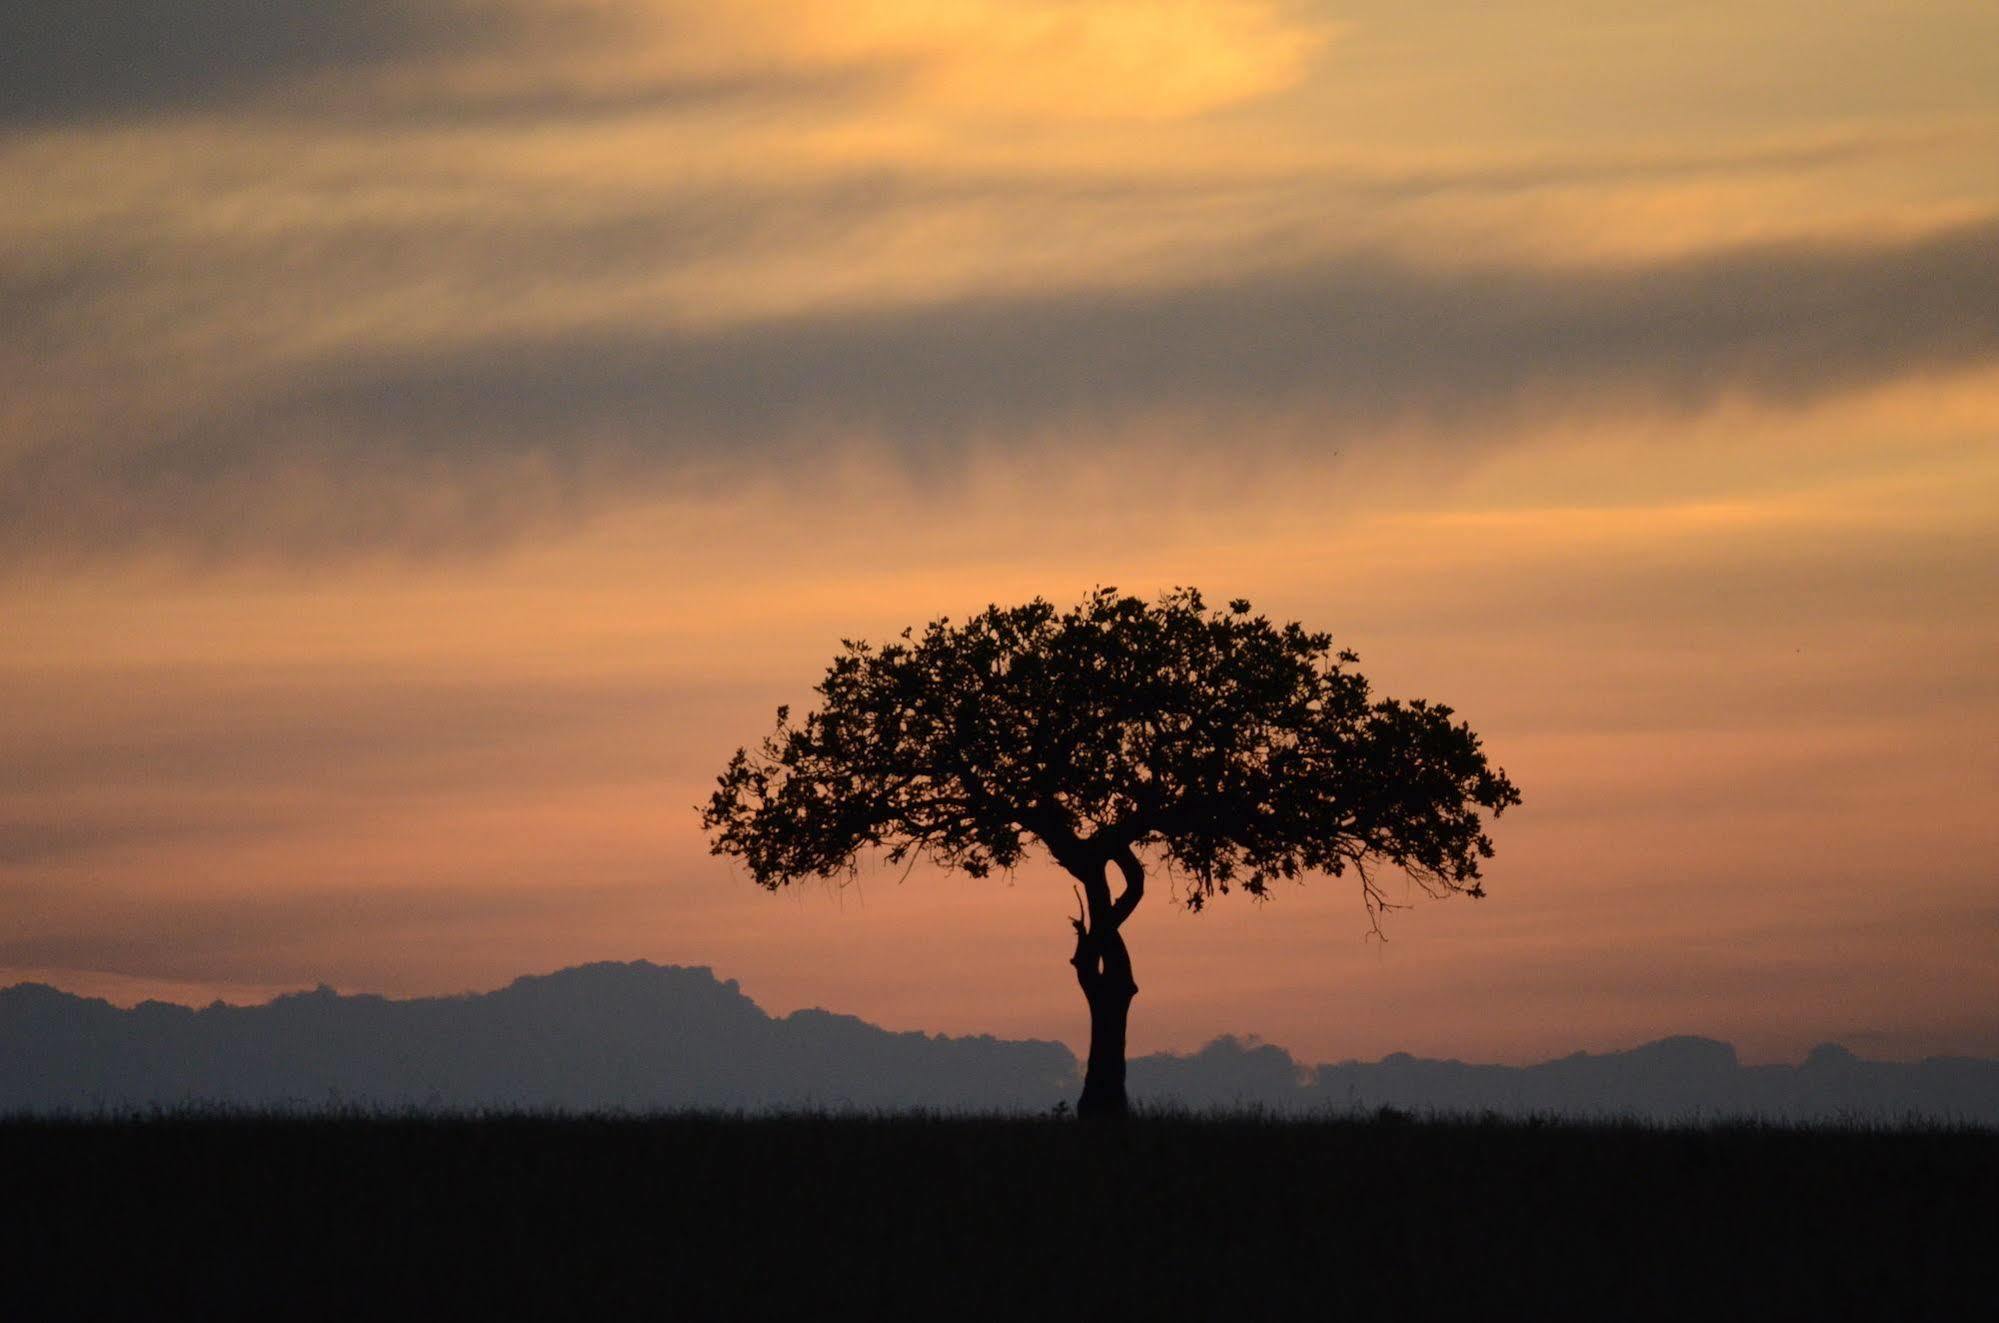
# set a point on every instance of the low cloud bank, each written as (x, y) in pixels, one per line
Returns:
(642, 1037)
(1675, 1079)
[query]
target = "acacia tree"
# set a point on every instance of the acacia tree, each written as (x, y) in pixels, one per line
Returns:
(1232, 751)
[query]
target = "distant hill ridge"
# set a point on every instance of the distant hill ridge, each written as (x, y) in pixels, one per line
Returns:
(640, 1036)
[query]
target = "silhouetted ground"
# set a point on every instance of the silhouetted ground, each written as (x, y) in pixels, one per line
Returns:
(950, 1218)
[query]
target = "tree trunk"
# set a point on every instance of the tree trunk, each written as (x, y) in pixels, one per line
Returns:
(1109, 994)
(1103, 969)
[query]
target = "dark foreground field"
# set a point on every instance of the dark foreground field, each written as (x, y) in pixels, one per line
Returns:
(943, 1218)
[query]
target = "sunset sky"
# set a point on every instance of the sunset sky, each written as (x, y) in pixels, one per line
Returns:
(436, 433)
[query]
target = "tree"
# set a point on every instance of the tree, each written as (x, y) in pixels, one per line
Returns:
(1232, 751)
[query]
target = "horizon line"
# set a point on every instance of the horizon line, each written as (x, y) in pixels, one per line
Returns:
(1246, 1041)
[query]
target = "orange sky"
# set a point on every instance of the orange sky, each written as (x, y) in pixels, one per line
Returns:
(430, 447)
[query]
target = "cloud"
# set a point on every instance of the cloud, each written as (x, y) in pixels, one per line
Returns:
(37, 840)
(259, 935)
(542, 101)
(87, 58)
(1114, 59)
(477, 441)
(1371, 339)
(401, 63)
(361, 731)
(415, 61)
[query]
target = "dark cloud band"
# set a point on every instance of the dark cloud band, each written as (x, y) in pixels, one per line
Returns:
(82, 58)
(426, 446)
(1368, 340)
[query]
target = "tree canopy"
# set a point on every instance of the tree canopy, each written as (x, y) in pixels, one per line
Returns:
(1237, 750)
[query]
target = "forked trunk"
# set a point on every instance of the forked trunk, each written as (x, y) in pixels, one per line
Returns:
(1103, 969)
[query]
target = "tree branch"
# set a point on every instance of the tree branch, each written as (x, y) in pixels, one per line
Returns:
(1134, 883)
(1088, 972)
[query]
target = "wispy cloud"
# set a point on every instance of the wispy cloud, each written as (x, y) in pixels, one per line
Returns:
(439, 444)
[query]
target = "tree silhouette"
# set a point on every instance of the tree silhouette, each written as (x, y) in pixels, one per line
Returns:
(1231, 750)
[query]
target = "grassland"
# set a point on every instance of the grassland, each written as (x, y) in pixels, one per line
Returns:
(938, 1217)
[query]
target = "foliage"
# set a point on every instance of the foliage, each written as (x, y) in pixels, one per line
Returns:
(1238, 750)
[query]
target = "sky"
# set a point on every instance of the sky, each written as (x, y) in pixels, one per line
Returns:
(436, 433)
